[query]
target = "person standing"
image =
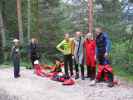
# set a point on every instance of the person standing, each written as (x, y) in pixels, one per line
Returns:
(90, 56)
(15, 54)
(65, 47)
(103, 44)
(33, 52)
(78, 55)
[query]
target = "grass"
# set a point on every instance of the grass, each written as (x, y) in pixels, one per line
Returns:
(121, 61)
(123, 74)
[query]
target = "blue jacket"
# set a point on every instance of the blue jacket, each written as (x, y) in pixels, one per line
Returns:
(106, 43)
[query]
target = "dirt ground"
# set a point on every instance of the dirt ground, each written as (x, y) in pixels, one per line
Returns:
(32, 87)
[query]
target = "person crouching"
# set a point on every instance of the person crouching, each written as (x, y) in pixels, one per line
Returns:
(57, 66)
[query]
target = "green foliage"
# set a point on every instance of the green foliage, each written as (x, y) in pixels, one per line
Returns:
(9, 15)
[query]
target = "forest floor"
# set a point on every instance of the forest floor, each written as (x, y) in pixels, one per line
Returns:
(32, 87)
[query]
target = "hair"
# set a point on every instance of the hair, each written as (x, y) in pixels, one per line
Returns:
(16, 40)
(99, 27)
(78, 31)
(89, 35)
(66, 33)
(56, 59)
(35, 40)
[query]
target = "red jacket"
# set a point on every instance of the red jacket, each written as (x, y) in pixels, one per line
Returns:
(90, 52)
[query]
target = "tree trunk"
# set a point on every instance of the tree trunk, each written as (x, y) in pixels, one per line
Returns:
(2, 30)
(90, 16)
(20, 24)
(29, 19)
(2, 38)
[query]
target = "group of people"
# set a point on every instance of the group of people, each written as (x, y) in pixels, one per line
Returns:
(87, 51)
(79, 51)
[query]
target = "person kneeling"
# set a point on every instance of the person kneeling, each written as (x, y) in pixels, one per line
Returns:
(57, 66)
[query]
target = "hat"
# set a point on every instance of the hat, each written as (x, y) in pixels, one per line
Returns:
(15, 40)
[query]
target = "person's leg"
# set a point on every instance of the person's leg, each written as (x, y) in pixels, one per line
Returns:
(70, 60)
(100, 73)
(32, 62)
(82, 71)
(76, 69)
(66, 66)
(109, 72)
(16, 68)
(15, 72)
(93, 77)
(111, 78)
(101, 58)
(93, 74)
(88, 71)
(93, 68)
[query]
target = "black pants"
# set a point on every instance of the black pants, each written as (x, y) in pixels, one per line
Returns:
(102, 59)
(68, 65)
(16, 64)
(91, 72)
(33, 59)
(77, 68)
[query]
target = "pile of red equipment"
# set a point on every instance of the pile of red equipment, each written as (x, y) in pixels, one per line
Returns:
(55, 76)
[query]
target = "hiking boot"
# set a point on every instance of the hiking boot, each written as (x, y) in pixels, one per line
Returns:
(71, 74)
(110, 84)
(82, 77)
(17, 76)
(92, 78)
(77, 76)
(88, 76)
(67, 77)
(97, 81)
(93, 83)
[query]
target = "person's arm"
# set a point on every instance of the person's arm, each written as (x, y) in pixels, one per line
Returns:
(108, 42)
(96, 50)
(11, 53)
(84, 51)
(59, 46)
(94, 46)
(73, 47)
